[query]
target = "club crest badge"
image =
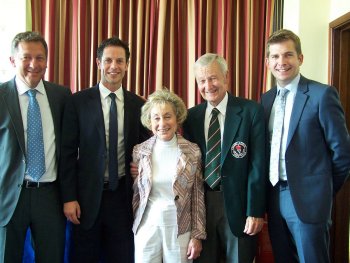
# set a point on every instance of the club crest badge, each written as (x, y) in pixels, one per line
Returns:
(239, 149)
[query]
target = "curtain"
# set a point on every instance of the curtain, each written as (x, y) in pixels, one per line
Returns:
(165, 38)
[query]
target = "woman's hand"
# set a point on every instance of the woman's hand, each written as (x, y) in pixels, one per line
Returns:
(194, 248)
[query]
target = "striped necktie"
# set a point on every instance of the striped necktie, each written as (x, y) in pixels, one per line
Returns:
(213, 155)
(35, 142)
(277, 136)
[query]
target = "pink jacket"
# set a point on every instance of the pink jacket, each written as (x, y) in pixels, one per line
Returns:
(188, 186)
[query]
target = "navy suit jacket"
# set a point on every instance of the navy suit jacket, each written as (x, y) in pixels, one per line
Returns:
(84, 150)
(318, 148)
(242, 157)
(12, 143)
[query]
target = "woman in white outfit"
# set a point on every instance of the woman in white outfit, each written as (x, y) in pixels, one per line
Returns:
(168, 201)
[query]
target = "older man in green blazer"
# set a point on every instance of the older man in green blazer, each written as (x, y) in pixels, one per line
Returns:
(235, 203)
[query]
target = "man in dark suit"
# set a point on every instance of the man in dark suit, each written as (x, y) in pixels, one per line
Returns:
(313, 158)
(235, 207)
(29, 196)
(98, 204)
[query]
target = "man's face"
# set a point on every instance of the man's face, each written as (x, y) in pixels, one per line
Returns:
(212, 83)
(30, 62)
(113, 66)
(284, 62)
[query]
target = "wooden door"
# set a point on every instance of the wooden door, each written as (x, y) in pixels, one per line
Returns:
(339, 76)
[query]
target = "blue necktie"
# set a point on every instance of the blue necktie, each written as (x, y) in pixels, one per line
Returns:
(277, 133)
(35, 142)
(113, 144)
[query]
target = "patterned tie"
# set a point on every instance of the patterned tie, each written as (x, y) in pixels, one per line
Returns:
(277, 136)
(35, 143)
(213, 156)
(113, 144)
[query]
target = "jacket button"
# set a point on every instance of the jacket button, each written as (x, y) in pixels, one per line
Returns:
(176, 198)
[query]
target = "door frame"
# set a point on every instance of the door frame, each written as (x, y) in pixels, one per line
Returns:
(339, 77)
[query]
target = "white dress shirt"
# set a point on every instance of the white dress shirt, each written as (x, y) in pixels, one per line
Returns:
(222, 109)
(106, 104)
(49, 138)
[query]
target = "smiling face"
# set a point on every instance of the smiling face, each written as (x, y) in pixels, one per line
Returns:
(163, 121)
(30, 62)
(212, 83)
(113, 66)
(284, 62)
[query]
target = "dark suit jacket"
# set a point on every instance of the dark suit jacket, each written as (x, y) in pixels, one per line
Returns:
(243, 174)
(12, 144)
(318, 148)
(84, 150)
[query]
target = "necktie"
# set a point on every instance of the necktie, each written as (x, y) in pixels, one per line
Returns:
(213, 155)
(277, 136)
(113, 144)
(35, 143)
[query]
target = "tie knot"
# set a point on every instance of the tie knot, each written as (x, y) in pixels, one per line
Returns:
(112, 95)
(31, 93)
(283, 92)
(215, 112)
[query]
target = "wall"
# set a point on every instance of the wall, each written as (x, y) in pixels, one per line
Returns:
(12, 21)
(310, 20)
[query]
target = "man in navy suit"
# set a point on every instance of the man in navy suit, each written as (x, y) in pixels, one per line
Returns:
(236, 206)
(101, 215)
(27, 201)
(314, 156)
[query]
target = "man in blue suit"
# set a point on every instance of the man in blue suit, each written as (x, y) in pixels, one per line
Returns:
(27, 201)
(313, 160)
(235, 207)
(98, 205)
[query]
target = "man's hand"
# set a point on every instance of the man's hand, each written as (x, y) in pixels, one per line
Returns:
(134, 171)
(194, 248)
(72, 211)
(253, 225)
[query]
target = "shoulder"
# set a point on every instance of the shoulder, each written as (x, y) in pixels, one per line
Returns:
(132, 97)
(146, 146)
(246, 105)
(186, 146)
(4, 87)
(56, 87)
(315, 89)
(198, 109)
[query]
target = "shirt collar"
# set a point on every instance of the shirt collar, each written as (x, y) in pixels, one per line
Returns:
(105, 92)
(221, 106)
(23, 87)
(292, 86)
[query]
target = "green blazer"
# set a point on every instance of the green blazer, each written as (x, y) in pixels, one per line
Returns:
(242, 159)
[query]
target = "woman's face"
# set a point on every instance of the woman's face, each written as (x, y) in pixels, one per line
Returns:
(164, 121)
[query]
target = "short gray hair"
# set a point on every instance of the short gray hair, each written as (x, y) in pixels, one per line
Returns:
(28, 36)
(209, 58)
(162, 97)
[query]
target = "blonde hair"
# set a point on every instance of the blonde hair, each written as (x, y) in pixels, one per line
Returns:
(162, 97)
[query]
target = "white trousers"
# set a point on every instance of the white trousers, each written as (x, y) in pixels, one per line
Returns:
(156, 239)
(157, 244)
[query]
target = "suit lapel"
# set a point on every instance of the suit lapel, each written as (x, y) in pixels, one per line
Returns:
(199, 122)
(10, 99)
(268, 103)
(298, 107)
(128, 115)
(54, 107)
(232, 123)
(94, 109)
